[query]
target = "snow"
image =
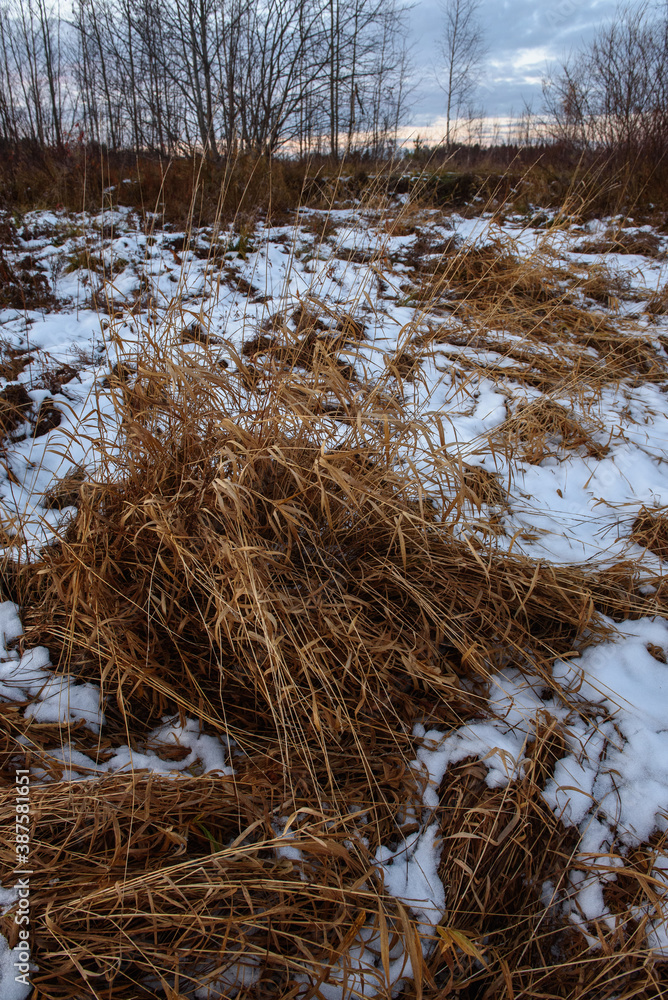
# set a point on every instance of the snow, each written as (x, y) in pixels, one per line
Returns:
(11, 629)
(359, 972)
(628, 756)
(588, 523)
(61, 700)
(410, 874)
(54, 698)
(10, 989)
(613, 785)
(656, 913)
(7, 899)
(205, 754)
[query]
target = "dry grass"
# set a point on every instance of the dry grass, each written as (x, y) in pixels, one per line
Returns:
(178, 880)
(252, 554)
(15, 404)
(13, 361)
(309, 339)
(650, 529)
(501, 941)
(307, 604)
(255, 539)
(23, 287)
(541, 429)
(658, 302)
(540, 318)
(642, 243)
(179, 188)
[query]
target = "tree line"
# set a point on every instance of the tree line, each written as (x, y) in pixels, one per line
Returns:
(612, 95)
(218, 76)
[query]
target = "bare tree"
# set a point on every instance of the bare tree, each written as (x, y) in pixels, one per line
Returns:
(463, 50)
(612, 96)
(211, 76)
(10, 115)
(35, 101)
(387, 92)
(368, 72)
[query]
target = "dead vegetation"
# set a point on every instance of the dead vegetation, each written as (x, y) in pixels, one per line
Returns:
(304, 601)
(541, 429)
(644, 244)
(13, 361)
(202, 888)
(15, 404)
(18, 415)
(307, 339)
(658, 302)
(650, 529)
(502, 848)
(23, 287)
(541, 319)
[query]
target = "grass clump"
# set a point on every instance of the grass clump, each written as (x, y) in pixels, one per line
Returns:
(302, 600)
(623, 242)
(257, 551)
(543, 320)
(204, 896)
(650, 529)
(540, 429)
(658, 302)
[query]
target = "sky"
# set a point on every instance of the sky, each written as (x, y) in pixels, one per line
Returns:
(523, 37)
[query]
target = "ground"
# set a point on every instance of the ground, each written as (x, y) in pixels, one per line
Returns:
(243, 432)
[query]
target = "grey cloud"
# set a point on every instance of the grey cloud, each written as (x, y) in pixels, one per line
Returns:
(523, 37)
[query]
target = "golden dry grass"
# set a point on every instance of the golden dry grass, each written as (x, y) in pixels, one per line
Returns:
(308, 602)
(623, 242)
(650, 529)
(254, 539)
(658, 302)
(543, 428)
(542, 319)
(140, 877)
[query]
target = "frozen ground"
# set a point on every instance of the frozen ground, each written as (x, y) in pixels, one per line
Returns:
(111, 283)
(572, 507)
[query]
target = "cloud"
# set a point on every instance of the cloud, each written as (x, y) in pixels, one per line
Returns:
(523, 36)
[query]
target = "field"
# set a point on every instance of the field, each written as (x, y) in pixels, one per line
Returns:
(335, 620)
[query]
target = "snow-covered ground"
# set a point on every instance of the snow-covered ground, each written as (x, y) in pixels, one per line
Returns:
(112, 282)
(572, 507)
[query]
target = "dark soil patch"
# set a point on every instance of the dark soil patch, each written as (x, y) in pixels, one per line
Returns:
(55, 378)
(22, 288)
(14, 405)
(48, 417)
(13, 362)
